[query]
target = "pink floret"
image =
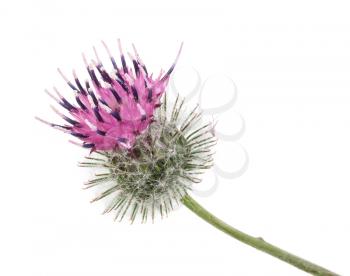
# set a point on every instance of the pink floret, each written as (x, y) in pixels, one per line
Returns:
(112, 109)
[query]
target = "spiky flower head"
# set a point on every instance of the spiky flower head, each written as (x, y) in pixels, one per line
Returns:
(147, 158)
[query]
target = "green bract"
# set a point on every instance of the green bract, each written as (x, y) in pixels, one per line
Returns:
(158, 171)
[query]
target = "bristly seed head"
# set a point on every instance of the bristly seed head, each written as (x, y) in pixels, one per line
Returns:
(161, 167)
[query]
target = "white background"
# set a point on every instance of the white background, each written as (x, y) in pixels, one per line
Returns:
(290, 61)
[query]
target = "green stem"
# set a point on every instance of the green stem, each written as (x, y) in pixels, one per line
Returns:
(256, 242)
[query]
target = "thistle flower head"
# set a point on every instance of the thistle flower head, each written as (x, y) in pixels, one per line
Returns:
(112, 109)
(148, 157)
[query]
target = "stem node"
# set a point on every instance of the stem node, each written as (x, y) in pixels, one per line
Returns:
(256, 242)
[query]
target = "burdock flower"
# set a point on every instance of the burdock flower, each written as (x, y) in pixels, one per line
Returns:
(148, 153)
